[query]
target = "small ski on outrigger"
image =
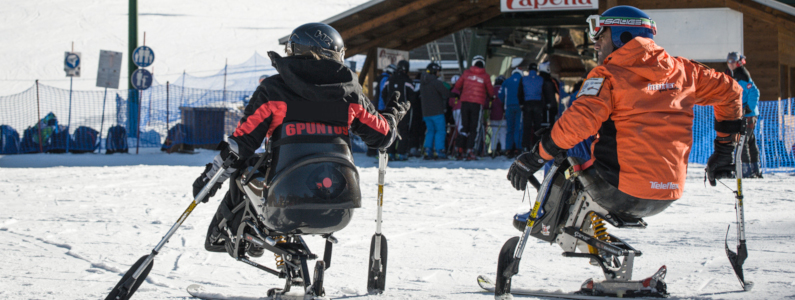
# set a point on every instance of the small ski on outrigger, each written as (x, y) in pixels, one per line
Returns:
(585, 293)
(738, 258)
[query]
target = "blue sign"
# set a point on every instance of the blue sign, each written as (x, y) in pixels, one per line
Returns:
(143, 56)
(72, 60)
(141, 79)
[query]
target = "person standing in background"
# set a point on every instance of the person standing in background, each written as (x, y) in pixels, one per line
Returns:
(497, 120)
(510, 95)
(400, 82)
(475, 90)
(416, 124)
(750, 154)
(532, 106)
(550, 95)
(434, 97)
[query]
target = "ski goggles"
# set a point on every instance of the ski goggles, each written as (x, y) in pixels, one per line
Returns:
(597, 24)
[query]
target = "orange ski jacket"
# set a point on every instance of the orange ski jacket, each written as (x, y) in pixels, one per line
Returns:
(640, 102)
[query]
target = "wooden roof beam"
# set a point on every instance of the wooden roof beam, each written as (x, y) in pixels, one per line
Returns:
(383, 40)
(486, 14)
(388, 17)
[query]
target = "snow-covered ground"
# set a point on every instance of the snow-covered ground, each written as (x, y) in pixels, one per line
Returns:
(70, 225)
(195, 36)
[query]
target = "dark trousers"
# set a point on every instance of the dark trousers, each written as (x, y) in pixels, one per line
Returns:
(618, 202)
(532, 117)
(416, 130)
(750, 153)
(401, 146)
(470, 119)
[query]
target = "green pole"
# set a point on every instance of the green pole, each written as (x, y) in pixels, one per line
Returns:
(132, 38)
(132, 95)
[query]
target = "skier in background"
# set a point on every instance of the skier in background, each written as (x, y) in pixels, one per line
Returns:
(497, 120)
(400, 82)
(510, 95)
(530, 99)
(475, 90)
(750, 157)
(434, 97)
(294, 99)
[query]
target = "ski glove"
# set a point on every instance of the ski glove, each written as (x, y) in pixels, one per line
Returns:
(523, 167)
(396, 107)
(720, 163)
(202, 180)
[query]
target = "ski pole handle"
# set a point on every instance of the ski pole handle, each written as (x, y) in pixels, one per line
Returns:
(533, 181)
(206, 189)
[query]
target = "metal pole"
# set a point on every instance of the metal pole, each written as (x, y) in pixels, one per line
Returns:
(102, 123)
(138, 128)
(167, 108)
(132, 37)
(38, 109)
(69, 122)
(226, 64)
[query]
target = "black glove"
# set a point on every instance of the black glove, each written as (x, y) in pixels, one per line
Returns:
(396, 107)
(746, 110)
(202, 180)
(523, 167)
(720, 163)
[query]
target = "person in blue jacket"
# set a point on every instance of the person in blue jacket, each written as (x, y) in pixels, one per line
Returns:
(533, 106)
(750, 155)
(384, 77)
(509, 94)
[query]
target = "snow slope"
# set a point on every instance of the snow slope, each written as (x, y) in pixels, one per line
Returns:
(70, 226)
(195, 36)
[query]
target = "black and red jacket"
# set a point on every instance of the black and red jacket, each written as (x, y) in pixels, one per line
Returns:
(310, 100)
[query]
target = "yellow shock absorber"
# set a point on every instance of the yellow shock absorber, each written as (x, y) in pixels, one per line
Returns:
(279, 259)
(599, 231)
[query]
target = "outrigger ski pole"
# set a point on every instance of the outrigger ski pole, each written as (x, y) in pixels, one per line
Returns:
(737, 259)
(131, 280)
(376, 274)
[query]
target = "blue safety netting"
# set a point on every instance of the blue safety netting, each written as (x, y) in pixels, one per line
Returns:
(774, 131)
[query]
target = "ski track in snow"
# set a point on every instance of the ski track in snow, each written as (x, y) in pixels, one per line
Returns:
(71, 227)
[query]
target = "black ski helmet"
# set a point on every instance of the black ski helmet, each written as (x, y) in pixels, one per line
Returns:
(391, 68)
(403, 66)
(316, 39)
(433, 68)
(500, 79)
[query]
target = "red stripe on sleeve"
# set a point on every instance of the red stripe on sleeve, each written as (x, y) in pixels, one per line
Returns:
(376, 122)
(277, 109)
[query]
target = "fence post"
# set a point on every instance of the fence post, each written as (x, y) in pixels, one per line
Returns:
(102, 123)
(167, 108)
(38, 122)
(764, 141)
(226, 64)
(69, 122)
(138, 127)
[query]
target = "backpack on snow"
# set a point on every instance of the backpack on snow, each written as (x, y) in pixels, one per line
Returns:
(85, 140)
(58, 140)
(9, 140)
(116, 141)
(176, 140)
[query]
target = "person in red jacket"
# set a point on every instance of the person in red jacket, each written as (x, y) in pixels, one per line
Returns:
(475, 89)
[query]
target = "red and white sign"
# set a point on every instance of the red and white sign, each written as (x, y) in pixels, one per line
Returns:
(390, 56)
(546, 5)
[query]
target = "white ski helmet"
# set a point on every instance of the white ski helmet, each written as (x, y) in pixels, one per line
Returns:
(480, 59)
(544, 67)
